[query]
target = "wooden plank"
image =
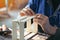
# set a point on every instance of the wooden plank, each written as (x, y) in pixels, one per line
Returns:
(34, 27)
(26, 33)
(29, 36)
(39, 37)
(14, 33)
(21, 29)
(28, 29)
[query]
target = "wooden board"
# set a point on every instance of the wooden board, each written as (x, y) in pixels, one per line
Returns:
(37, 36)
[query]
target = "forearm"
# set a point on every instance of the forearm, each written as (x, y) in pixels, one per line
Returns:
(50, 30)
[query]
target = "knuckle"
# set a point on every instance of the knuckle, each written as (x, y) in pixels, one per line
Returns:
(40, 14)
(21, 11)
(28, 8)
(46, 18)
(25, 9)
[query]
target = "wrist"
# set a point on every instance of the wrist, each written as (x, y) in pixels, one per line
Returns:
(51, 30)
(54, 29)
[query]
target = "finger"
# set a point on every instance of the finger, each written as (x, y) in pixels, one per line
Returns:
(23, 13)
(43, 17)
(40, 17)
(35, 20)
(36, 16)
(42, 22)
(31, 11)
(39, 21)
(27, 11)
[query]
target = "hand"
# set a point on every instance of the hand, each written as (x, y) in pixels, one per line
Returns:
(27, 11)
(43, 21)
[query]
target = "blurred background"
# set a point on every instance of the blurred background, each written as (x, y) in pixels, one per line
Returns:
(14, 7)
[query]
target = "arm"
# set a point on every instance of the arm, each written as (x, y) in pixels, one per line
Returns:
(50, 30)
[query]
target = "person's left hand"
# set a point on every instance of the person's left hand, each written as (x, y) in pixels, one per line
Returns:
(43, 21)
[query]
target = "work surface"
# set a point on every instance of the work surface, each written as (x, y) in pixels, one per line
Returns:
(28, 36)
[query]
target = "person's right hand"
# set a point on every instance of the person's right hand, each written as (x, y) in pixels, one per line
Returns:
(27, 12)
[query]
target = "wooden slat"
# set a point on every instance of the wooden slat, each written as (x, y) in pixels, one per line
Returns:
(29, 36)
